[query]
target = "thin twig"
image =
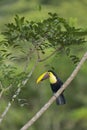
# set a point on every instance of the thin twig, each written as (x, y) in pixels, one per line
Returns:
(4, 89)
(1, 86)
(53, 98)
(1, 93)
(28, 57)
(50, 55)
(20, 86)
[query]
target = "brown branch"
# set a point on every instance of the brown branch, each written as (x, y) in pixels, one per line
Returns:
(53, 98)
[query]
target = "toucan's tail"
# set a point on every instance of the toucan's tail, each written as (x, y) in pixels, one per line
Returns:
(60, 100)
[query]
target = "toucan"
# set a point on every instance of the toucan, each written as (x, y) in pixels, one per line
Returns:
(55, 84)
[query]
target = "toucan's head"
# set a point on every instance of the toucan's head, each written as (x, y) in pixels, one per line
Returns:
(49, 74)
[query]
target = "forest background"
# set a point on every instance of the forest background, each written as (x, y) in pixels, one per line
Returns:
(71, 116)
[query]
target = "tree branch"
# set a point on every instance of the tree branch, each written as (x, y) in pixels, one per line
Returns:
(20, 86)
(53, 98)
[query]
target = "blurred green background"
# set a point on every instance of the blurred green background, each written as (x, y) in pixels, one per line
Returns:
(73, 115)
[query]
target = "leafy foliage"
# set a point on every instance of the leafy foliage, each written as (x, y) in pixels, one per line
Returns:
(29, 37)
(9, 76)
(53, 32)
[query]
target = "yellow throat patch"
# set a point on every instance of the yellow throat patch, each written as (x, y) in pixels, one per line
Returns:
(52, 78)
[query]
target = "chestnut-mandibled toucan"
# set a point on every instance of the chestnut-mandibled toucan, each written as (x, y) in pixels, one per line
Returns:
(55, 84)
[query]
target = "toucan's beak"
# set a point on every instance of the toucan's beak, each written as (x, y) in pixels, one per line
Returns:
(43, 77)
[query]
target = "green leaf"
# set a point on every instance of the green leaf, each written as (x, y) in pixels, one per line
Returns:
(74, 59)
(67, 51)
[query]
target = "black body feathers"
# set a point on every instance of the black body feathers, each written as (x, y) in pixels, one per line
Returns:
(55, 87)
